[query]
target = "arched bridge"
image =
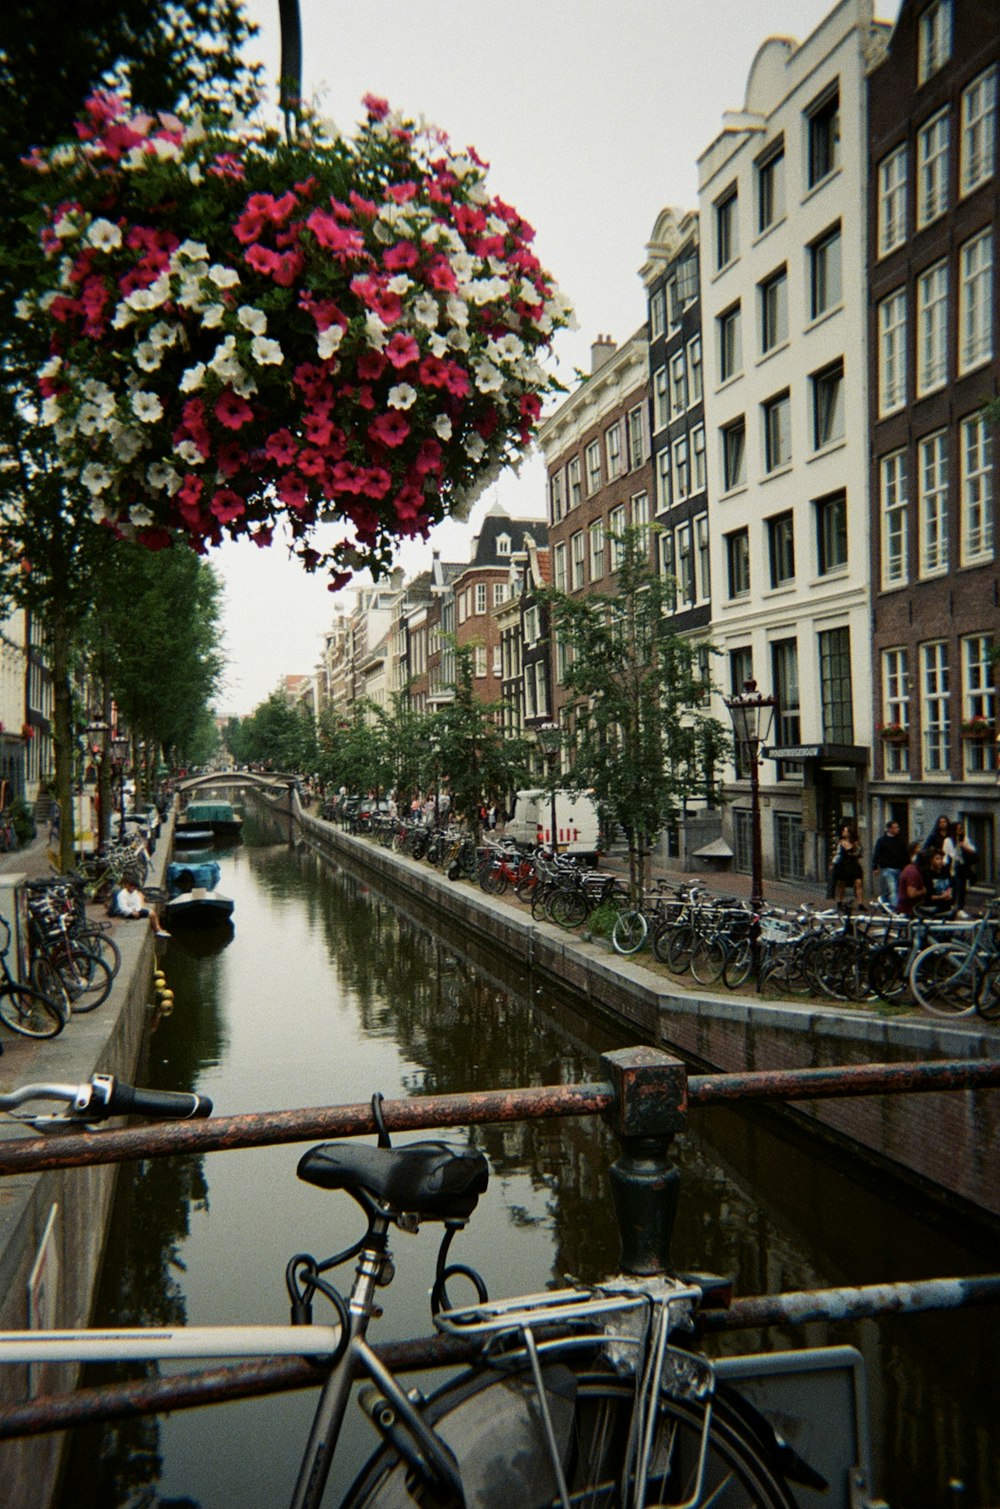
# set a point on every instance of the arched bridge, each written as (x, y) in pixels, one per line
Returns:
(228, 781)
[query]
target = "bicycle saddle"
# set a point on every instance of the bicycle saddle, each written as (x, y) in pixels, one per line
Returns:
(427, 1179)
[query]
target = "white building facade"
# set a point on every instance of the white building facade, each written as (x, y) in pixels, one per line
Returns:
(782, 210)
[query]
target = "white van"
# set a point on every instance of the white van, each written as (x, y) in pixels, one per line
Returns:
(577, 824)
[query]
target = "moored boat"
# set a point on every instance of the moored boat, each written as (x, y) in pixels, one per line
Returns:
(192, 900)
(218, 818)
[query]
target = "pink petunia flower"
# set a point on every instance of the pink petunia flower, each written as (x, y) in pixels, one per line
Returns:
(227, 505)
(232, 411)
(402, 351)
(371, 365)
(280, 447)
(401, 257)
(376, 107)
(389, 429)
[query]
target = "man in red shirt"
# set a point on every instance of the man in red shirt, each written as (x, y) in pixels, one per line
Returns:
(912, 887)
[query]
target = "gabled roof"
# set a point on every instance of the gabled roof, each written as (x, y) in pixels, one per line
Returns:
(518, 531)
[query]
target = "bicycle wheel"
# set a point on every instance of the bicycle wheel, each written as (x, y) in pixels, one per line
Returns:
(491, 1426)
(568, 909)
(708, 960)
(886, 973)
(680, 947)
(26, 1011)
(103, 945)
(629, 932)
(739, 964)
(944, 980)
(988, 995)
(94, 981)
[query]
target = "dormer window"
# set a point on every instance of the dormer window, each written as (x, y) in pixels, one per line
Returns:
(503, 544)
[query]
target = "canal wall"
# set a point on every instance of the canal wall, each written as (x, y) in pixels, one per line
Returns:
(53, 1225)
(948, 1142)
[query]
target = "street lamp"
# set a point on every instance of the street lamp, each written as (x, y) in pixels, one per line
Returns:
(99, 753)
(119, 753)
(549, 736)
(753, 714)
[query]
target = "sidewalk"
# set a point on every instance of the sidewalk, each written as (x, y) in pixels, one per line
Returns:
(31, 860)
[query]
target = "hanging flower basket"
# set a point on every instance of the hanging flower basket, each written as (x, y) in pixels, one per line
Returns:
(978, 728)
(245, 330)
(27, 731)
(894, 733)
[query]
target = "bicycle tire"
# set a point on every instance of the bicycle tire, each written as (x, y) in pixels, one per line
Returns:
(739, 964)
(887, 973)
(680, 947)
(662, 935)
(708, 960)
(96, 984)
(941, 983)
(526, 887)
(568, 909)
(479, 1414)
(103, 945)
(988, 994)
(46, 979)
(629, 933)
(26, 1011)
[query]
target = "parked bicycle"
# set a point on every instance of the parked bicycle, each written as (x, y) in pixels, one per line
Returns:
(23, 1008)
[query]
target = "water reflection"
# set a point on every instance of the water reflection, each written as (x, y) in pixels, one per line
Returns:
(328, 993)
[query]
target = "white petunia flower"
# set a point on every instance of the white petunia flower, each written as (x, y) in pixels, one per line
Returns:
(194, 172)
(375, 332)
(192, 378)
(163, 334)
(66, 227)
(459, 340)
(99, 512)
(402, 396)
(147, 407)
(265, 352)
(24, 309)
(457, 311)
(212, 316)
(51, 410)
(158, 475)
(191, 251)
(166, 151)
(489, 379)
(188, 452)
(88, 419)
(443, 427)
(141, 515)
(123, 316)
(437, 346)
(254, 320)
(475, 447)
(95, 477)
(104, 236)
(140, 299)
(223, 277)
(328, 341)
(147, 356)
(51, 367)
(399, 284)
(125, 443)
(426, 311)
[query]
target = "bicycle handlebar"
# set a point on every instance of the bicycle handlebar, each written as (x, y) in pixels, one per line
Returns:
(103, 1097)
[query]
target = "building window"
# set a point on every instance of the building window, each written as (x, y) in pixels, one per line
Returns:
(932, 504)
(684, 547)
(892, 353)
(892, 201)
(699, 480)
(661, 399)
(975, 302)
(740, 672)
(789, 846)
(771, 187)
(777, 414)
(742, 826)
(895, 708)
(666, 540)
(559, 579)
(781, 548)
(701, 550)
(734, 454)
(657, 314)
(979, 701)
(934, 39)
(727, 236)
(932, 169)
(480, 660)
(831, 533)
(823, 137)
(636, 436)
(835, 686)
(532, 625)
(664, 494)
(979, 131)
(596, 535)
(932, 328)
(593, 468)
(578, 554)
(678, 384)
(730, 343)
(976, 527)
(738, 564)
(556, 497)
(828, 406)
(825, 284)
(499, 593)
(934, 706)
(895, 520)
(640, 510)
(682, 469)
(573, 488)
(773, 305)
(613, 450)
(684, 287)
(616, 529)
(785, 677)
(480, 597)
(694, 369)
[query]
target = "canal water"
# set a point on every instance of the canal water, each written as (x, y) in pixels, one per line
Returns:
(326, 993)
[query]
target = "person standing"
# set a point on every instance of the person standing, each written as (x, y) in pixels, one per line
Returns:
(846, 865)
(961, 853)
(889, 857)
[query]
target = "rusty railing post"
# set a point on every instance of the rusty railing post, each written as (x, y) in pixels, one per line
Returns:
(650, 1090)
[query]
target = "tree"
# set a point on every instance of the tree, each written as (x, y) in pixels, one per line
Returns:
(406, 739)
(483, 764)
(643, 739)
(279, 734)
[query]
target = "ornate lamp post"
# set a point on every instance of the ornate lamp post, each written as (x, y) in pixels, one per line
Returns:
(119, 754)
(549, 736)
(753, 714)
(99, 752)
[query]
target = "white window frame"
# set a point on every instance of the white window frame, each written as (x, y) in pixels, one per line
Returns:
(664, 480)
(595, 538)
(892, 353)
(681, 462)
(499, 593)
(635, 431)
(699, 472)
(828, 406)
(556, 497)
(976, 496)
(932, 503)
(574, 491)
(729, 481)
(661, 399)
(694, 381)
(975, 301)
(772, 305)
(578, 568)
(770, 175)
(933, 39)
(593, 458)
(481, 662)
(657, 314)
(934, 707)
(896, 706)
(892, 176)
(560, 580)
(617, 524)
(977, 151)
(727, 228)
(613, 450)
(730, 327)
(703, 577)
(933, 142)
(678, 384)
(895, 520)
(771, 406)
(932, 328)
(979, 700)
(684, 567)
(480, 598)
(826, 273)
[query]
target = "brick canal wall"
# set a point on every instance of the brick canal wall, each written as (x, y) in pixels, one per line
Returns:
(77, 1201)
(949, 1142)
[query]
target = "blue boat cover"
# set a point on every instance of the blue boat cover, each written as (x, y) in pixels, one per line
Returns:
(195, 875)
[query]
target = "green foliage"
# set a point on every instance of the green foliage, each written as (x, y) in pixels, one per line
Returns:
(643, 739)
(278, 734)
(482, 763)
(22, 819)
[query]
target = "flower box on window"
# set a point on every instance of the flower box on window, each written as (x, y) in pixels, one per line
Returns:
(894, 733)
(27, 731)
(978, 728)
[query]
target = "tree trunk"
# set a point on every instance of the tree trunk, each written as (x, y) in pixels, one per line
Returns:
(62, 735)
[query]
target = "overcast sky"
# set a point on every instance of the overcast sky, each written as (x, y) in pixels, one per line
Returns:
(592, 114)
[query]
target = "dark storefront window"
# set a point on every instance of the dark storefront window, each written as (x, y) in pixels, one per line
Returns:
(835, 686)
